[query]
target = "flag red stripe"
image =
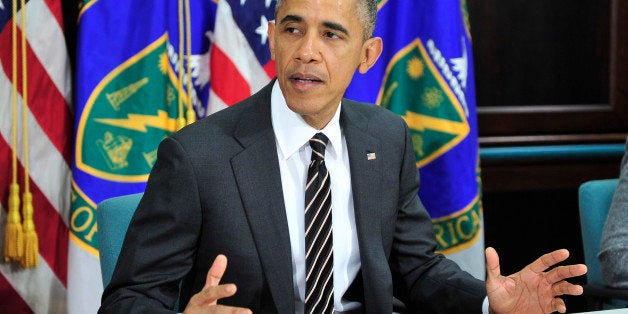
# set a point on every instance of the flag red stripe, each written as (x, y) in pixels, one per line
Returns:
(43, 98)
(51, 229)
(231, 87)
(10, 300)
(269, 68)
(57, 11)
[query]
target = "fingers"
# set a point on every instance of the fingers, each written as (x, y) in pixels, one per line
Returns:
(548, 260)
(213, 308)
(564, 287)
(492, 263)
(206, 299)
(211, 294)
(216, 271)
(222, 309)
(563, 272)
(213, 291)
(559, 305)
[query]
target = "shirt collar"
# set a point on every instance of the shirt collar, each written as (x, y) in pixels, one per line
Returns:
(292, 132)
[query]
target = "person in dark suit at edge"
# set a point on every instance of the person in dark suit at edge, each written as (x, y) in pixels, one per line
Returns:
(232, 185)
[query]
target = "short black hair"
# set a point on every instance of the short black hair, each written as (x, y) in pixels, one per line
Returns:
(367, 13)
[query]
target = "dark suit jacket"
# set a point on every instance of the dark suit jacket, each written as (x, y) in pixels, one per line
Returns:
(216, 188)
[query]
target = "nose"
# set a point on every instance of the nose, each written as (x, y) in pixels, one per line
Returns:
(308, 49)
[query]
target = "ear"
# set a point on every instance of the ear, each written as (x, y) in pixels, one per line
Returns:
(371, 49)
(271, 38)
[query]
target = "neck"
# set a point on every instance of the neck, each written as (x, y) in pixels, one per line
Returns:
(316, 122)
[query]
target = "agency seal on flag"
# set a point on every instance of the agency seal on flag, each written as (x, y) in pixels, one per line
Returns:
(128, 114)
(415, 89)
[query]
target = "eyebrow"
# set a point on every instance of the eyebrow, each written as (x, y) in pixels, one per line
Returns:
(331, 25)
(336, 27)
(291, 18)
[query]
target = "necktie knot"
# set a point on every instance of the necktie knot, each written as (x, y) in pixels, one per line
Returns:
(318, 143)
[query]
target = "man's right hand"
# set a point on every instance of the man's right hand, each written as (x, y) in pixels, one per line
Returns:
(205, 300)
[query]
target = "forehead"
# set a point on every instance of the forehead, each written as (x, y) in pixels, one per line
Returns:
(343, 11)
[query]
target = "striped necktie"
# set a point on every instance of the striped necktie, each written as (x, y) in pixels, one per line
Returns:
(319, 280)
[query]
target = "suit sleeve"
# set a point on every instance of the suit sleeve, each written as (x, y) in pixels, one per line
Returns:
(428, 281)
(159, 246)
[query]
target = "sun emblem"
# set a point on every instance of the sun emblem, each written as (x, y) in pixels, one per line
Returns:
(415, 68)
(432, 97)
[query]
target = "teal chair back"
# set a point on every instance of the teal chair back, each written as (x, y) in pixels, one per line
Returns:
(594, 198)
(114, 215)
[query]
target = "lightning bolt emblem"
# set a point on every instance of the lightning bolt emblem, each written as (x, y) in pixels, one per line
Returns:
(139, 122)
(421, 122)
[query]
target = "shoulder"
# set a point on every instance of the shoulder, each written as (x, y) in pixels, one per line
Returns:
(372, 117)
(219, 124)
(253, 111)
(370, 110)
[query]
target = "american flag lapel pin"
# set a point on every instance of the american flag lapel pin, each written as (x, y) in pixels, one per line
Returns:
(370, 156)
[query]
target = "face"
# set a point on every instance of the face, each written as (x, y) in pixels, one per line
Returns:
(317, 46)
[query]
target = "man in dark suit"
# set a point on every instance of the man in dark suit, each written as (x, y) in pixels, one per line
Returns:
(232, 185)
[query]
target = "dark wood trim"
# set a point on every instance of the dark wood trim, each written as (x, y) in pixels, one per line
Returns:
(619, 56)
(546, 176)
(550, 123)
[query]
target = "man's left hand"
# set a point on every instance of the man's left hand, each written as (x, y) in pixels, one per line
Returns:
(533, 289)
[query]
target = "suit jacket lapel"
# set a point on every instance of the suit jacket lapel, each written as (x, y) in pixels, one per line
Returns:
(256, 170)
(365, 172)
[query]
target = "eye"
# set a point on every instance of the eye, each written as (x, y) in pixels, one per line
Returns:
(291, 30)
(331, 35)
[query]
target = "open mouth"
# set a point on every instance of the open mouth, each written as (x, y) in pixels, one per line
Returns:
(306, 80)
(300, 78)
(304, 83)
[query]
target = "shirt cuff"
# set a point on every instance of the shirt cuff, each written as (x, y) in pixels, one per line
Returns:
(485, 306)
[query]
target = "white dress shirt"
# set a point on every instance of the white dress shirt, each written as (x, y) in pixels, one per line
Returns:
(292, 135)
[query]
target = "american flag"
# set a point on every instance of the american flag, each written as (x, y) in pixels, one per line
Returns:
(240, 57)
(41, 289)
